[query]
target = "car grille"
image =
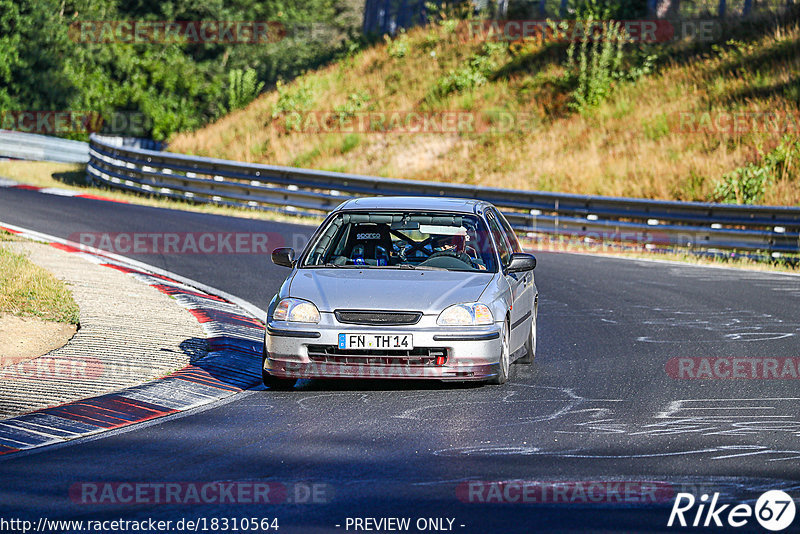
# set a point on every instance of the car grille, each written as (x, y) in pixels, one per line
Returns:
(377, 318)
(418, 356)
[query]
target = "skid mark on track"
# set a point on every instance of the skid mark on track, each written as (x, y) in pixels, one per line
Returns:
(598, 420)
(308, 403)
(728, 324)
(489, 450)
(659, 324)
(732, 417)
(566, 401)
(706, 417)
(713, 453)
(728, 275)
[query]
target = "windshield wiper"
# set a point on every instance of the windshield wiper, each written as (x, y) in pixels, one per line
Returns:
(410, 267)
(329, 264)
(427, 268)
(403, 266)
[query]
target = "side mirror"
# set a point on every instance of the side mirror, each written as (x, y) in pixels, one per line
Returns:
(283, 256)
(521, 261)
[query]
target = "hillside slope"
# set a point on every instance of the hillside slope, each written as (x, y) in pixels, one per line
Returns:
(637, 142)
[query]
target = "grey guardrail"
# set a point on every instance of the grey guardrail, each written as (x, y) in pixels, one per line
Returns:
(705, 226)
(19, 145)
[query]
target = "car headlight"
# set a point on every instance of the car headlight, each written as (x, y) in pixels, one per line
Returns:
(296, 311)
(474, 314)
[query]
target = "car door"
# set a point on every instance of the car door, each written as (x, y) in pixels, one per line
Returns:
(516, 281)
(529, 294)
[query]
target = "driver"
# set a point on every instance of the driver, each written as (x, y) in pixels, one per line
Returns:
(456, 246)
(457, 243)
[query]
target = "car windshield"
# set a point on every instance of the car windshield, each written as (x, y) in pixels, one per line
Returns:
(403, 240)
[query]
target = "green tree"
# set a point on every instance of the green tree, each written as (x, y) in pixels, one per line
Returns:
(174, 86)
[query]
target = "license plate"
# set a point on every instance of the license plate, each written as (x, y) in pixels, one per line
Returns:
(376, 341)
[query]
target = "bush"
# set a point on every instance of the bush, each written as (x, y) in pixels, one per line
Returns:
(474, 73)
(397, 48)
(748, 184)
(299, 99)
(350, 142)
(243, 88)
(593, 66)
(355, 102)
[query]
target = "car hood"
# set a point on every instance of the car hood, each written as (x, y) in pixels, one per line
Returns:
(387, 289)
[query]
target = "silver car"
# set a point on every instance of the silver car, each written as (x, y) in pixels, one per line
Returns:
(404, 287)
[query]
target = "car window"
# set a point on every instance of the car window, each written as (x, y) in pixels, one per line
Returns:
(510, 234)
(403, 240)
(503, 246)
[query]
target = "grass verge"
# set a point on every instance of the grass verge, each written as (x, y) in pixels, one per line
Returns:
(28, 290)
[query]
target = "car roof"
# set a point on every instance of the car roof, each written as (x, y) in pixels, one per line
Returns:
(459, 205)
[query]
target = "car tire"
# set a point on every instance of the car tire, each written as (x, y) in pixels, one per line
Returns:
(277, 384)
(273, 382)
(505, 360)
(530, 346)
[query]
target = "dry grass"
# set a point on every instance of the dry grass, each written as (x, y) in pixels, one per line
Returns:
(28, 290)
(45, 174)
(630, 146)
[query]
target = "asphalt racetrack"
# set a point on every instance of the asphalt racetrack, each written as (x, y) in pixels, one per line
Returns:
(603, 409)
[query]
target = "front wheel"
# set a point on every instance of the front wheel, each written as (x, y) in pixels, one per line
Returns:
(530, 346)
(505, 360)
(274, 382)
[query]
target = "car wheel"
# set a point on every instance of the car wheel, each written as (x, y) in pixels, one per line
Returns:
(505, 360)
(530, 346)
(274, 382)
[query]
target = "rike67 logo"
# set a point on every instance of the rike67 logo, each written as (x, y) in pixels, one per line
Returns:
(774, 510)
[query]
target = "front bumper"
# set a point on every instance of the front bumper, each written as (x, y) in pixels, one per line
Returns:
(292, 350)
